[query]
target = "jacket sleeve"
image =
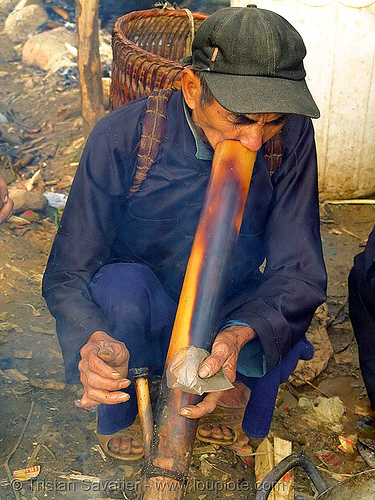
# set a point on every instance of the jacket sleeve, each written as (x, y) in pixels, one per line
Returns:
(294, 283)
(84, 238)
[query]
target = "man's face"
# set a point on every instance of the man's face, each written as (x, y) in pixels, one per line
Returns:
(215, 124)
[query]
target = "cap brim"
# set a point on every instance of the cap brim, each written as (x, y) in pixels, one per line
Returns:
(258, 94)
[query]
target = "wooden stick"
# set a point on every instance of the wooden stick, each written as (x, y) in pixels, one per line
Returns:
(6, 463)
(317, 390)
(359, 201)
(285, 487)
(89, 68)
(197, 315)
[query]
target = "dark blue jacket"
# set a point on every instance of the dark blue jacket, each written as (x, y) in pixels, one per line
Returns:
(157, 226)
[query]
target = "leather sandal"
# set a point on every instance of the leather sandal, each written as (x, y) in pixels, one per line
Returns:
(231, 418)
(134, 431)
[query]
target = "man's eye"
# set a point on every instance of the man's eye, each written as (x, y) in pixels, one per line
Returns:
(240, 120)
(243, 120)
(279, 120)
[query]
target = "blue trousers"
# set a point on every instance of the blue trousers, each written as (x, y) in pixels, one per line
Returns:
(362, 312)
(141, 315)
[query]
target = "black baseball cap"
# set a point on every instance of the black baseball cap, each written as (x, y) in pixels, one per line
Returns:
(252, 61)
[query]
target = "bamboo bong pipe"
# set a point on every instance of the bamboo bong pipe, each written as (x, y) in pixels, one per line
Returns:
(197, 315)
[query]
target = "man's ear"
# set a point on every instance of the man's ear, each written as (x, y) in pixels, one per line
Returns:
(191, 88)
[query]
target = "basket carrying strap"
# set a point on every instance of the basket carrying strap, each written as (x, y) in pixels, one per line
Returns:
(153, 130)
(274, 153)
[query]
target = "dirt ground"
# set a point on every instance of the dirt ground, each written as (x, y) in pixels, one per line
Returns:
(38, 411)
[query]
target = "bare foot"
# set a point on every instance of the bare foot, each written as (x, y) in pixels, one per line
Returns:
(222, 433)
(125, 445)
(216, 431)
(237, 397)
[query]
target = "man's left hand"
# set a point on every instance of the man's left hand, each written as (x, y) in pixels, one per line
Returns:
(224, 354)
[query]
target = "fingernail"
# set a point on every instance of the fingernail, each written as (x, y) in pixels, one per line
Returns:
(204, 371)
(115, 374)
(124, 397)
(185, 412)
(124, 383)
(104, 353)
(6, 199)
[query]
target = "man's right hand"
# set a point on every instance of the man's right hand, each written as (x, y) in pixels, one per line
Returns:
(104, 368)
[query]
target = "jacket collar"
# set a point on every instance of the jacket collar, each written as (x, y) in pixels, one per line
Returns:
(203, 152)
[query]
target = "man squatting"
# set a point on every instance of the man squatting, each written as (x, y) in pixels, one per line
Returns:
(117, 263)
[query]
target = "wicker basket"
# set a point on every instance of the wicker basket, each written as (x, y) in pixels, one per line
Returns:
(147, 46)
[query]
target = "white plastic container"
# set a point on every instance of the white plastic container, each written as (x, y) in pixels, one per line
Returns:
(340, 42)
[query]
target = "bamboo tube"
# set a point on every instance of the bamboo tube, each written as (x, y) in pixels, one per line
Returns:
(140, 376)
(165, 474)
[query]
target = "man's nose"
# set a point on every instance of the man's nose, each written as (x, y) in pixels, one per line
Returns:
(252, 138)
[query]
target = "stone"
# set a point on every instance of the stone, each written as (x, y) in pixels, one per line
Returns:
(7, 5)
(27, 200)
(7, 52)
(23, 22)
(25, 3)
(7, 174)
(47, 50)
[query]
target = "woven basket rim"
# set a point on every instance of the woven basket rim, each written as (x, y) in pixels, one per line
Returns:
(146, 14)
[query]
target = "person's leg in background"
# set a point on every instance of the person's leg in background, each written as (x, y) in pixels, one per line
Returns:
(362, 312)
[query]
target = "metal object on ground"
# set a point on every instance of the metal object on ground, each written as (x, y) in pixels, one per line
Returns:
(360, 486)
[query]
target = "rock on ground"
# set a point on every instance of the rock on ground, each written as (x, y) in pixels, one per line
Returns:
(48, 49)
(27, 200)
(7, 5)
(24, 21)
(7, 52)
